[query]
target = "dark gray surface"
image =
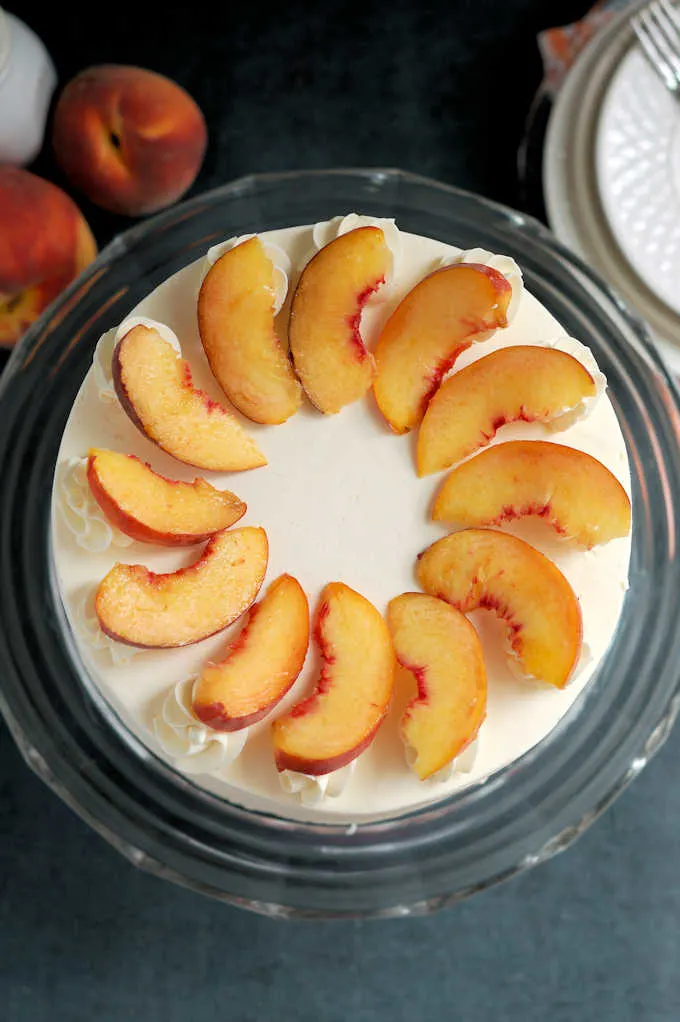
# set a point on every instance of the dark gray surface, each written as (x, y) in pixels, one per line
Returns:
(591, 935)
(440, 89)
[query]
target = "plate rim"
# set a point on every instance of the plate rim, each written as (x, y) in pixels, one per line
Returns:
(575, 213)
(607, 200)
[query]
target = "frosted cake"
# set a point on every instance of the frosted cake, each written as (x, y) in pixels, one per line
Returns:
(410, 533)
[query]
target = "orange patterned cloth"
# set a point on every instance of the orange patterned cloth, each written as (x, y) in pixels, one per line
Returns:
(561, 46)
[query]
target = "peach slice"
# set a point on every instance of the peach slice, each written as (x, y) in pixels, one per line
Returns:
(569, 489)
(523, 383)
(335, 724)
(261, 665)
(325, 340)
(155, 388)
(442, 650)
(152, 509)
(140, 608)
(428, 330)
(236, 322)
(480, 568)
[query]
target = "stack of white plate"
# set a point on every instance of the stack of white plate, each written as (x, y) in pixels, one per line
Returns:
(611, 176)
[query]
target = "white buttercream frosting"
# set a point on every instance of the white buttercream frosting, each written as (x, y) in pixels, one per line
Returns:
(277, 255)
(166, 333)
(463, 764)
(310, 790)
(327, 230)
(503, 263)
(103, 353)
(83, 516)
(585, 356)
(516, 667)
(194, 747)
(87, 625)
(365, 503)
(101, 367)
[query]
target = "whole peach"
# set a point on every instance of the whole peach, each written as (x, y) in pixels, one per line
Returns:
(46, 242)
(131, 140)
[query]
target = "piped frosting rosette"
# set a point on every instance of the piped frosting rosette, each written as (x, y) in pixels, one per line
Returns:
(193, 747)
(280, 260)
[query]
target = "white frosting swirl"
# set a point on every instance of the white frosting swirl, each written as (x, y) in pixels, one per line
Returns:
(462, 764)
(504, 264)
(280, 259)
(310, 790)
(585, 356)
(87, 623)
(327, 230)
(103, 353)
(516, 667)
(194, 747)
(101, 368)
(82, 514)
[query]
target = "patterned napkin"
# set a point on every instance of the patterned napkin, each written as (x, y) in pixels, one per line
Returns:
(561, 46)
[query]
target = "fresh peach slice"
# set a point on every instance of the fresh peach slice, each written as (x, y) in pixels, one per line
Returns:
(428, 330)
(526, 383)
(480, 568)
(261, 665)
(154, 387)
(572, 491)
(152, 509)
(334, 725)
(442, 650)
(236, 322)
(325, 340)
(140, 608)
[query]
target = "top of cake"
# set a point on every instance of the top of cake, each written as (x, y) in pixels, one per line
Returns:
(385, 431)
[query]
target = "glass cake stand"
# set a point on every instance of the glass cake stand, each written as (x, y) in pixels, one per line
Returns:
(163, 822)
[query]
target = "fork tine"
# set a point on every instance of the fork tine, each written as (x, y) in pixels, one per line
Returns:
(669, 35)
(672, 13)
(643, 28)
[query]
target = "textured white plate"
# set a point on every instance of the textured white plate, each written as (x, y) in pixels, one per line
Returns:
(637, 157)
(572, 193)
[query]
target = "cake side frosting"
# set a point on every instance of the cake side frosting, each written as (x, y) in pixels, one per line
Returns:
(340, 500)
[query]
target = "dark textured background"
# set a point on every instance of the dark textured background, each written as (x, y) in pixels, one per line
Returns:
(441, 89)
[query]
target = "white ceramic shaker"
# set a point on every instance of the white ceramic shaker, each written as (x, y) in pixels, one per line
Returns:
(27, 81)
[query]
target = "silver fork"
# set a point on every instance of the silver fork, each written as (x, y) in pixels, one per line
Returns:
(657, 27)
